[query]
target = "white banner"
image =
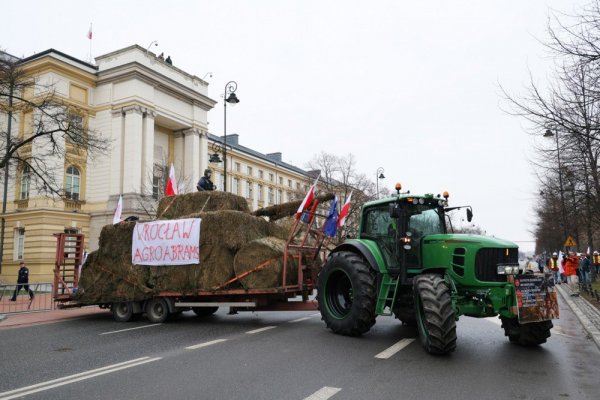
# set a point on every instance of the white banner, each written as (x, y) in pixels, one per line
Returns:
(168, 242)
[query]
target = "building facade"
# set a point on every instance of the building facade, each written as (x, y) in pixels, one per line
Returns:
(152, 114)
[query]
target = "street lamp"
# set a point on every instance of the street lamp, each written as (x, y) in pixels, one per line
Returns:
(230, 89)
(379, 175)
(549, 134)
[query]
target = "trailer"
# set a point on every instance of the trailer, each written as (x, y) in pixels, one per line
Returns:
(303, 255)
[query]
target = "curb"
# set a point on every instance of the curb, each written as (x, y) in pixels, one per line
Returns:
(587, 314)
(2, 317)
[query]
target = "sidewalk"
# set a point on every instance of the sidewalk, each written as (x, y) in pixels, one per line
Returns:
(588, 315)
(46, 317)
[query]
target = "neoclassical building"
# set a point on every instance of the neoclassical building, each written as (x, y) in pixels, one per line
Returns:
(153, 114)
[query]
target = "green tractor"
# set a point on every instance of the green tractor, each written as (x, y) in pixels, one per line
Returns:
(405, 263)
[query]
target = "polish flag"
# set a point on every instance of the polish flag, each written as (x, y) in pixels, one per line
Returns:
(171, 188)
(117, 217)
(344, 213)
(308, 199)
(89, 34)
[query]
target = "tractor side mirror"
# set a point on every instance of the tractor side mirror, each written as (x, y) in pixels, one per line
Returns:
(469, 214)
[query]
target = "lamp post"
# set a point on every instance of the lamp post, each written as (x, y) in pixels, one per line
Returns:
(548, 134)
(230, 89)
(379, 175)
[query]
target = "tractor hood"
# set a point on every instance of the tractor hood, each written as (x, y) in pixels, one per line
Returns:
(455, 239)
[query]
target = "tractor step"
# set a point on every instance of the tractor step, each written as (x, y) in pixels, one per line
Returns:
(387, 293)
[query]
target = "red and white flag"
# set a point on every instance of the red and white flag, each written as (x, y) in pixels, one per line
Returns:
(308, 199)
(89, 34)
(171, 188)
(344, 212)
(118, 211)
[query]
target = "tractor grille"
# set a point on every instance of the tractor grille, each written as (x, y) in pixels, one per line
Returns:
(487, 260)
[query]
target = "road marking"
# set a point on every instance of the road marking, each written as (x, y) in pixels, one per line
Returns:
(266, 328)
(390, 351)
(129, 329)
(197, 346)
(302, 319)
(324, 393)
(40, 387)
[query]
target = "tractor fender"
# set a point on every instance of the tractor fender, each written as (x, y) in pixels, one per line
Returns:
(360, 248)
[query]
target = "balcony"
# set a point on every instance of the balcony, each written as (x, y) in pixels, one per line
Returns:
(73, 205)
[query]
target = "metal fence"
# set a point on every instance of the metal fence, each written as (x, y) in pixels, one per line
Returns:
(41, 301)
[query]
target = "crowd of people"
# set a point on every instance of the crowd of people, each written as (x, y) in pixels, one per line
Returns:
(570, 269)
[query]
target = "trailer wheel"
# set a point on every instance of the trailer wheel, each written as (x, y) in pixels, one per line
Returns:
(347, 294)
(204, 311)
(435, 316)
(157, 310)
(531, 334)
(122, 311)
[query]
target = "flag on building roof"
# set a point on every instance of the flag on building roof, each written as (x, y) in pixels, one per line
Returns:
(118, 211)
(332, 218)
(171, 188)
(308, 199)
(344, 213)
(89, 34)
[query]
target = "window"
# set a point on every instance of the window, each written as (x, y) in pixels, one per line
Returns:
(237, 167)
(235, 186)
(279, 196)
(260, 193)
(271, 196)
(260, 174)
(73, 183)
(158, 175)
(75, 132)
(19, 243)
(297, 185)
(271, 177)
(289, 183)
(25, 180)
(249, 192)
(280, 180)
(249, 170)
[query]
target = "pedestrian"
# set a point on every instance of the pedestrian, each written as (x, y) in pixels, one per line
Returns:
(205, 183)
(22, 282)
(595, 264)
(584, 268)
(540, 264)
(553, 267)
(570, 264)
(529, 269)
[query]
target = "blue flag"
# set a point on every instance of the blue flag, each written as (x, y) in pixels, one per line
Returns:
(331, 223)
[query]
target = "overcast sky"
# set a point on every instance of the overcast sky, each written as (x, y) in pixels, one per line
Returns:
(410, 86)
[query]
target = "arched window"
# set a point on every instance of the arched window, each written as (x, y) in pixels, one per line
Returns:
(25, 181)
(73, 183)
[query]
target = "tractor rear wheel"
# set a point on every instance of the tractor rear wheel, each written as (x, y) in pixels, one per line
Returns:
(347, 294)
(435, 316)
(531, 334)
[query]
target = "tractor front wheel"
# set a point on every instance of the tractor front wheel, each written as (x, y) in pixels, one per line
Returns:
(435, 316)
(531, 334)
(347, 294)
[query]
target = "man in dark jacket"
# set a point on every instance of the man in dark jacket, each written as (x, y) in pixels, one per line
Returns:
(205, 183)
(22, 282)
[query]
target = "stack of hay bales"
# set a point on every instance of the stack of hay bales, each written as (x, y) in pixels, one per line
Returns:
(232, 241)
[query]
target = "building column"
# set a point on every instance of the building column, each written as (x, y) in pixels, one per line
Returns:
(148, 151)
(204, 155)
(116, 154)
(191, 158)
(132, 154)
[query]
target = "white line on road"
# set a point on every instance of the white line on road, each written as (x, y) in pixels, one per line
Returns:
(129, 329)
(40, 387)
(197, 346)
(390, 351)
(324, 393)
(266, 328)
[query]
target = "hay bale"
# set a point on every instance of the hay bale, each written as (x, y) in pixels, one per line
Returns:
(287, 209)
(173, 207)
(255, 253)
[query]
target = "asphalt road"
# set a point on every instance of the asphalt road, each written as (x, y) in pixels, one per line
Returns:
(288, 355)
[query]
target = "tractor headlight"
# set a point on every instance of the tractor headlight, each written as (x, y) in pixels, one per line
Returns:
(507, 269)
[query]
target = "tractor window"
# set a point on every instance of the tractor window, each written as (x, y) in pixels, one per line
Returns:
(380, 227)
(376, 222)
(427, 222)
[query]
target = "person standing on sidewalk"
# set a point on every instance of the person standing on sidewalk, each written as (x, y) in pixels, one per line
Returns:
(570, 264)
(595, 265)
(22, 282)
(584, 268)
(553, 268)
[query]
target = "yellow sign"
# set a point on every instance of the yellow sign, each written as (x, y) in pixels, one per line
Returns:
(570, 242)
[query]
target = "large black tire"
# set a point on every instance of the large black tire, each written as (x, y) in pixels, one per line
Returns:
(347, 294)
(157, 310)
(122, 311)
(204, 311)
(531, 334)
(435, 316)
(404, 309)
